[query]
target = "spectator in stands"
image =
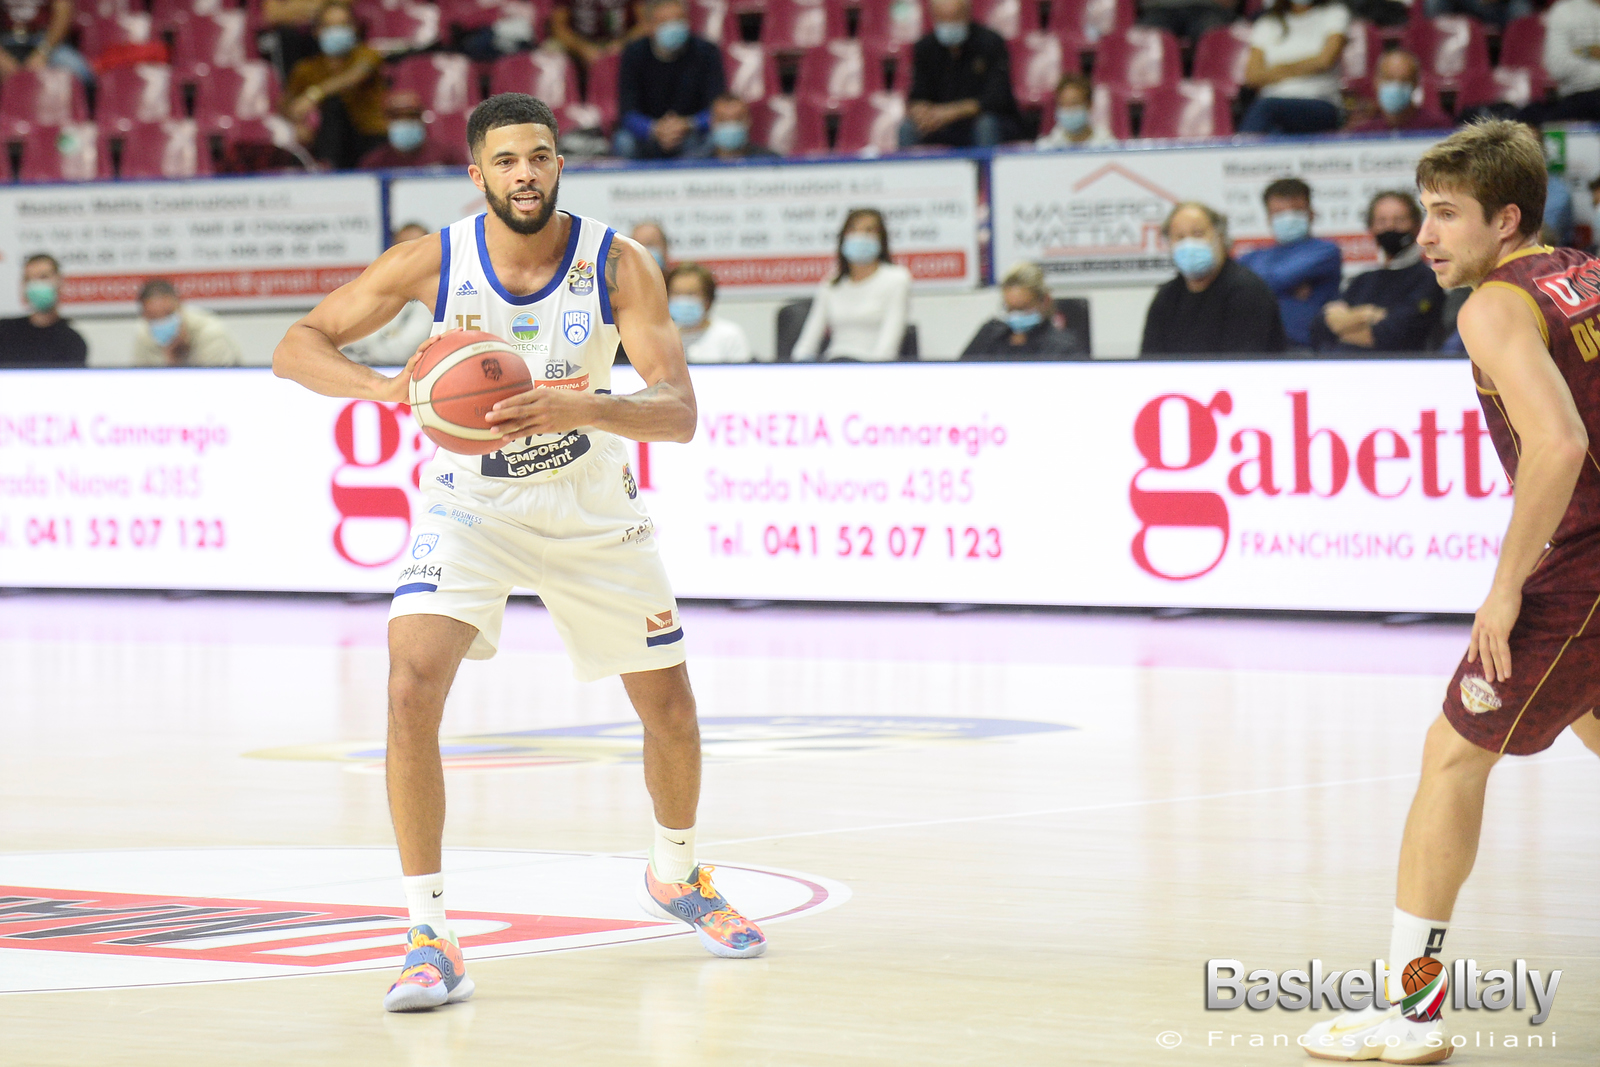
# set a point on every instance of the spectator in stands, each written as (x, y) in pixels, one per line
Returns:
(288, 33)
(1074, 126)
(172, 334)
(666, 86)
(650, 234)
(1397, 77)
(1495, 12)
(395, 342)
(863, 310)
(1028, 329)
(1394, 308)
(409, 143)
(345, 86)
(1572, 59)
(589, 29)
(42, 337)
(691, 290)
(1302, 271)
(1214, 305)
(730, 131)
(960, 84)
(1187, 18)
(1294, 66)
(33, 34)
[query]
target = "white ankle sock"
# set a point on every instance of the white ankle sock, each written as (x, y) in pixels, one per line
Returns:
(672, 854)
(1410, 938)
(425, 902)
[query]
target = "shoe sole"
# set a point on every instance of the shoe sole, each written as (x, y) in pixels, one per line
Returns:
(652, 907)
(426, 998)
(1438, 1055)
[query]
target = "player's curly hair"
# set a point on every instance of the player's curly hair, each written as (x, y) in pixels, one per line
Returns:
(507, 109)
(1496, 162)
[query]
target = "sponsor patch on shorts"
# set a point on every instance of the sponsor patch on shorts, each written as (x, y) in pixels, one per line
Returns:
(628, 482)
(662, 628)
(465, 518)
(1478, 696)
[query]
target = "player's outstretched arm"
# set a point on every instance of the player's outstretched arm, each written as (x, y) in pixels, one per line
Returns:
(664, 410)
(1502, 337)
(309, 352)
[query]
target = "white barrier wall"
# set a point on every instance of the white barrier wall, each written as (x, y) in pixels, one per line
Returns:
(1329, 485)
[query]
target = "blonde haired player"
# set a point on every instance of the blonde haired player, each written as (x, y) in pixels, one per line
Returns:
(554, 509)
(1532, 666)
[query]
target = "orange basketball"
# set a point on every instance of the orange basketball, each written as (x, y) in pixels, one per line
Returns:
(1419, 972)
(458, 379)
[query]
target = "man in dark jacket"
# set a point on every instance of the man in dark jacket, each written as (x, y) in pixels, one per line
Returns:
(1394, 308)
(1214, 305)
(42, 338)
(960, 84)
(665, 88)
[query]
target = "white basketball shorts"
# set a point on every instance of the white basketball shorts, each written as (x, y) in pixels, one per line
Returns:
(583, 542)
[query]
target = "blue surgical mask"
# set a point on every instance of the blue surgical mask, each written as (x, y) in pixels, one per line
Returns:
(950, 34)
(860, 248)
(1023, 321)
(1395, 97)
(407, 135)
(336, 40)
(1291, 226)
(671, 36)
(729, 136)
(1072, 119)
(1195, 257)
(659, 255)
(686, 311)
(164, 331)
(41, 295)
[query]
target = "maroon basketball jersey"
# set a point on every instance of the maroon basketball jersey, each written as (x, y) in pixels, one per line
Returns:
(1563, 287)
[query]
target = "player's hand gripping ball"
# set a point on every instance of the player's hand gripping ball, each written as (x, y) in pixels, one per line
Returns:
(457, 380)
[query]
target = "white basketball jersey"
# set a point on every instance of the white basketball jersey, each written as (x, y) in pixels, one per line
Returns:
(565, 332)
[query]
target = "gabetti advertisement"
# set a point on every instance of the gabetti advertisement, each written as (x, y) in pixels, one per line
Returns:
(1315, 485)
(759, 229)
(237, 243)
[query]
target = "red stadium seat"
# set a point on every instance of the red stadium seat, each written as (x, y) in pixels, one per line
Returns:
(467, 15)
(1363, 45)
(1137, 59)
(1038, 62)
(601, 87)
(139, 94)
(1220, 57)
(212, 42)
(407, 28)
(1522, 44)
(893, 26)
(94, 10)
(234, 96)
(97, 34)
(1009, 18)
(71, 153)
(787, 126)
(709, 19)
(448, 86)
(171, 149)
(30, 99)
(1189, 108)
(795, 25)
(871, 125)
(752, 72)
(546, 73)
(1090, 19)
(170, 14)
(1452, 48)
(1517, 86)
(576, 116)
(845, 69)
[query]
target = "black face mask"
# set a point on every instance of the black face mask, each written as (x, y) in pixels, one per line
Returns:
(1393, 242)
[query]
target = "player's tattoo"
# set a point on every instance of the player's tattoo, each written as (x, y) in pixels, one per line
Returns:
(613, 257)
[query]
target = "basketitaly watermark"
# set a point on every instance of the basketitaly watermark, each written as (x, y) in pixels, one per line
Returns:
(1229, 985)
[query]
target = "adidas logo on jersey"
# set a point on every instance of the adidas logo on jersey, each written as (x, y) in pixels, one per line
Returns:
(447, 480)
(466, 289)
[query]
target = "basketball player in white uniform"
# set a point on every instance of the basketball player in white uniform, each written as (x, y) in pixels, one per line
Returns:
(554, 510)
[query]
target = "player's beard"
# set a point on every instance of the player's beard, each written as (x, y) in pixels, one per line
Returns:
(501, 206)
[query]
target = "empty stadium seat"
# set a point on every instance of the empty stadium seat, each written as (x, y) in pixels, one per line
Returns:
(468, 15)
(709, 19)
(752, 72)
(893, 26)
(143, 93)
(169, 14)
(601, 87)
(74, 152)
(788, 127)
(232, 96)
(448, 86)
(547, 74)
(171, 149)
(871, 124)
(1522, 43)
(96, 34)
(407, 28)
(1090, 19)
(840, 70)
(1189, 108)
(32, 99)
(208, 43)
(1137, 59)
(795, 25)
(1220, 57)
(1451, 47)
(1363, 45)
(1038, 62)
(1517, 86)
(1009, 18)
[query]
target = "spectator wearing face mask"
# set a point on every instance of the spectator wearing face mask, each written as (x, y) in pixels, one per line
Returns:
(42, 337)
(172, 334)
(1026, 329)
(344, 85)
(409, 143)
(730, 131)
(650, 234)
(691, 290)
(960, 84)
(1073, 127)
(1394, 308)
(1214, 306)
(665, 88)
(861, 312)
(397, 340)
(1397, 76)
(1302, 271)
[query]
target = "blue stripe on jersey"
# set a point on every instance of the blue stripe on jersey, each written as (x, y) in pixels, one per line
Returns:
(555, 279)
(417, 587)
(664, 639)
(444, 275)
(600, 275)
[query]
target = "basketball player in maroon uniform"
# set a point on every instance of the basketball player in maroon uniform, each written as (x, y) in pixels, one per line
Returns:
(1532, 666)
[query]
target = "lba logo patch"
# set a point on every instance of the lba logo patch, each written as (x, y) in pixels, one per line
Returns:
(575, 326)
(97, 920)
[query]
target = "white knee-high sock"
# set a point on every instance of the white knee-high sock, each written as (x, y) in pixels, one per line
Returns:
(1410, 938)
(672, 853)
(425, 901)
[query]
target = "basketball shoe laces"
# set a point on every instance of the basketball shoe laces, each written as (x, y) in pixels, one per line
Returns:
(723, 915)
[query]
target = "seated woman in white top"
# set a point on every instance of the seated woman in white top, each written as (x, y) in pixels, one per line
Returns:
(1294, 64)
(863, 309)
(691, 290)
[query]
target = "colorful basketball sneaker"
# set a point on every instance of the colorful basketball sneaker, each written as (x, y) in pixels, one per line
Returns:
(723, 931)
(435, 973)
(1374, 1034)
